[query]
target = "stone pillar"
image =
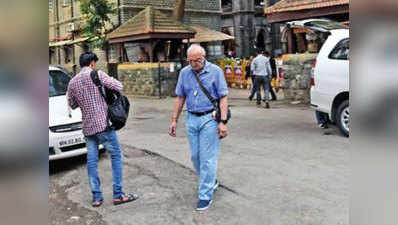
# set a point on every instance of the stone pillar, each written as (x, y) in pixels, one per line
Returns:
(244, 26)
(275, 32)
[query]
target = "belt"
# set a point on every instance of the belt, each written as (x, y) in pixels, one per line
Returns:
(202, 113)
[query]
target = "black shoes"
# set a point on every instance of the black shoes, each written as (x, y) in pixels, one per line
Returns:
(323, 125)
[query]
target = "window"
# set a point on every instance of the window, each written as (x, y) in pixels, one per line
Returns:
(57, 83)
(341, 51)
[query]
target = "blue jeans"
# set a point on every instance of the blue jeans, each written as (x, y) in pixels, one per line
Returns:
(262, 81)
(111, 143)
(254, 86)
(204, 142)
(321, 117)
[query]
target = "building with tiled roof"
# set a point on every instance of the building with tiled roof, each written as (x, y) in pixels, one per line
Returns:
(65, 26)
(288, 10)
(150, 24)
(146, 36)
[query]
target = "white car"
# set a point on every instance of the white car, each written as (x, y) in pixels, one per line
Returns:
(65, 125)
(330, 79)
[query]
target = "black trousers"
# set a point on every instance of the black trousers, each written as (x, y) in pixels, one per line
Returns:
(271, 90)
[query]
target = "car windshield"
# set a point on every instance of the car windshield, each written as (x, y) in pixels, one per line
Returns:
(327, 25)
(58, 83)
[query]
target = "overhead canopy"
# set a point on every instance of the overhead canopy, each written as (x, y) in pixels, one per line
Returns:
(204, 34)
(150, 23)
(288, 10)
(68, 42)
(59, 43)
(78, 40)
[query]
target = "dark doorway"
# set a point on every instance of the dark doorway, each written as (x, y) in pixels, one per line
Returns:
(260, 42)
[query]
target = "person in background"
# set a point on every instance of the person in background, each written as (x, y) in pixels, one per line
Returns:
(262, 70)
(273, 69)
(322, 119)
(249, 73)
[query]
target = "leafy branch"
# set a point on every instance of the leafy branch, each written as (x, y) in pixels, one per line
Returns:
(97, 14)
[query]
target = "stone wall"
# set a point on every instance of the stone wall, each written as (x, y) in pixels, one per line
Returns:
(297, 77)
(143, 79)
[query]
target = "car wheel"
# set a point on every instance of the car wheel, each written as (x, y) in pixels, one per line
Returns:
(343, 118)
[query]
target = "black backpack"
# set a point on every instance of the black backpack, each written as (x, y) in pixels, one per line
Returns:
(118, 104)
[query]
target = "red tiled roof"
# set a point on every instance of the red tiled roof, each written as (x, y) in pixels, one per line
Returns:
(296, 5)
(150, 21)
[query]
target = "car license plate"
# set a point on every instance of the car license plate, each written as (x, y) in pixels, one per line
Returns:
(70, 141)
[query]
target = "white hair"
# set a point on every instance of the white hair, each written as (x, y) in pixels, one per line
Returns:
(196, 48)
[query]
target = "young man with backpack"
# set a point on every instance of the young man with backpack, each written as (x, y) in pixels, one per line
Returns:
(83, 93)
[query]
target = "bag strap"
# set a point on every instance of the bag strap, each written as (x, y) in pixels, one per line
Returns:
(212, 100)
(97, 82)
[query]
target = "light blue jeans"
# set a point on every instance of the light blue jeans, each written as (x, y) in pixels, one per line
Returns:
(111, 143)
(204, 143)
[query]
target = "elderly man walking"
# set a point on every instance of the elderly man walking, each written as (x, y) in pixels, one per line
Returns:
(203, 132)
(262, 71)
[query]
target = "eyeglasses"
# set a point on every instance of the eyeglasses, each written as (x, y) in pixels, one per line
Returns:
(190, 61)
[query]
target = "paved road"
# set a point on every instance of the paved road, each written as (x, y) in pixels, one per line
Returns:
(276, 167)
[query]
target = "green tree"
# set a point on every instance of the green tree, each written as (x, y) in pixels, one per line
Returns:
(97, 14)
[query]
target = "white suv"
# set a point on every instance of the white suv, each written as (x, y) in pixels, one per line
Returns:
(330, 79)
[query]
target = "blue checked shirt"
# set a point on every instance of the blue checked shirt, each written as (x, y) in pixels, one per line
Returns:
(211, 77)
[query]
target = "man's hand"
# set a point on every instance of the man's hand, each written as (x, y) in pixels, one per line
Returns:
(222, 130)
(179, 103)
(172, 129)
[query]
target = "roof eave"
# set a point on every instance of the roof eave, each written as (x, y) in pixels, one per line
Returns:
(284, 16)
(149, 36)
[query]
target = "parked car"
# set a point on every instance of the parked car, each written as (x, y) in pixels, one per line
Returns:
(63, 69)
(330, 79)
(65, 125)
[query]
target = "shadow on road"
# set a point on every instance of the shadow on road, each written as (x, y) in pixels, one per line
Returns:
(64, 165)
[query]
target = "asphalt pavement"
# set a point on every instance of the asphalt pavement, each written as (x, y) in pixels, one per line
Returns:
(275, 167)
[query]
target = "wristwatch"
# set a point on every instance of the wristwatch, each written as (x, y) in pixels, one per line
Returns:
(224, 121)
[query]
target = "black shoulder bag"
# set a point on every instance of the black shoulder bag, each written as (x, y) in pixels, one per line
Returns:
(118, 104)
(215, 102)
